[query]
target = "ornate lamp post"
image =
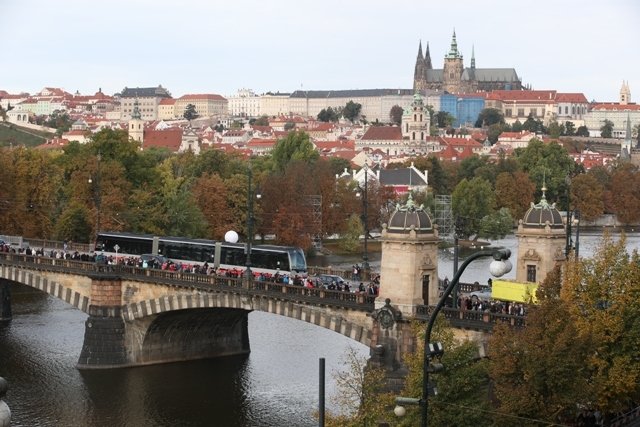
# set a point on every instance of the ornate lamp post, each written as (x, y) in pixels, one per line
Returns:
(499, 266)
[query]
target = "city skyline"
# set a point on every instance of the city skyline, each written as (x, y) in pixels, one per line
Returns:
(211, 47)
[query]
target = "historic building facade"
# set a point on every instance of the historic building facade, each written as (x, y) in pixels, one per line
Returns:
(455, 78)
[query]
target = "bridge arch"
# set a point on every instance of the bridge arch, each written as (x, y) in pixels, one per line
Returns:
(325, 317)
(44, 283)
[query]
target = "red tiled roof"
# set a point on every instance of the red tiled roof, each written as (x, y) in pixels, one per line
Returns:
(168, 138)
(461, 142)
(522, 95)
(335, 145)
(383, 133)
(515, 135)
(208, 96)
(263, 129)
(615, 106)
(572, 97)
(259, 142)
(167, 101)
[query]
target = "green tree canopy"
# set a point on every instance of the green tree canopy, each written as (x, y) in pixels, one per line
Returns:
(606, 130)
(471, 201)
(351, 111)
(295, 146)
(328, 115)
(488, 117)
(395, 114)
(190, 112)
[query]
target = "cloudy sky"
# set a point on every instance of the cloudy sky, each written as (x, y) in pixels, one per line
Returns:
(214, 46)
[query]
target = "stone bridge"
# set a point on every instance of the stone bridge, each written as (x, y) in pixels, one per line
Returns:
(145, 316)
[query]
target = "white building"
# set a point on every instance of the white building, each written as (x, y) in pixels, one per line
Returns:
(244, 104)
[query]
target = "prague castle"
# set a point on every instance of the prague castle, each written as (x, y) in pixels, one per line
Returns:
(455, 78)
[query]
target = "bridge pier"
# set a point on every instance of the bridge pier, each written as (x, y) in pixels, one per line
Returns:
(391, 339)
(5, 301)
(173, 330)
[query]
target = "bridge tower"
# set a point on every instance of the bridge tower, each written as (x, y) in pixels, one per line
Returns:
(541, 238)
(408, 279)
(409, 265)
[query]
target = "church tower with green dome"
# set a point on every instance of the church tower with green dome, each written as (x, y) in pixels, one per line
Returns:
(415, 125)
(541, 241)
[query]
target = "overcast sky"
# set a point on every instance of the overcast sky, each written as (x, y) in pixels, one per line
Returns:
(213, 46)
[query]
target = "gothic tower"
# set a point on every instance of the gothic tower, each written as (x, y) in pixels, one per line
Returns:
(136, 124)
(420, 72)
(625, 93)
(427, 58)
(453, 68)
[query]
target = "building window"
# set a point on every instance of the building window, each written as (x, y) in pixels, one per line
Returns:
(507, 112)
(534, 112)
(566, 110)
(531, 273)
(559, 110)
(520, 112)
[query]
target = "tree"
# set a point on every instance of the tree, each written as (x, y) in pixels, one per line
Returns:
(74, 224)
(494, 132)
(516, 126)
(471, 201)
(569, 128)
(351, 238)
(582, 131)
(351, 111)
(555, 129)
(295, 146)
(261, 121)
(190, 112)
(328, 115)
(606, 130)
(514, 191)
(496, 225)
(395, 114)
(462, 398)
(488, 117)
(587, 196)
(624, 194)
(443, 119)
(539, 372)
(602, 295)
(636, 133)
(360, 398)
(289, 126)
(549, 164)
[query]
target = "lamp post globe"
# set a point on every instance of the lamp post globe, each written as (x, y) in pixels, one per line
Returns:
(231, 236)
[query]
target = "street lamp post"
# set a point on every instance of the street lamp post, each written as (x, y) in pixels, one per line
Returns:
(569, 243)
(499, 266)
(250, 224)
(97, 195)
(365, 221)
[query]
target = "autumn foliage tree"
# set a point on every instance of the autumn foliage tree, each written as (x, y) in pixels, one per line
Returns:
(515, 192)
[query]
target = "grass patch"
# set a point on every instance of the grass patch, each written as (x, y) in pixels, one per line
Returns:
(12, 135)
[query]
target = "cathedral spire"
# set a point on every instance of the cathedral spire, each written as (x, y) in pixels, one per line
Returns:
(427, 58)
(453, 52)
(420, 50)
(473, 56)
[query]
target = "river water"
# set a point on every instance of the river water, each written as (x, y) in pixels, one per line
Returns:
(275, 385)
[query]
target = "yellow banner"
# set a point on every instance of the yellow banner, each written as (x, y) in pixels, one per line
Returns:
(514, 291)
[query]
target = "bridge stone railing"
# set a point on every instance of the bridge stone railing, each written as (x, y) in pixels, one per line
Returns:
(460, 318)
(358, 301)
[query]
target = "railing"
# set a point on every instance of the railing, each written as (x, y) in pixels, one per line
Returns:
(466, 319)
(317, 296)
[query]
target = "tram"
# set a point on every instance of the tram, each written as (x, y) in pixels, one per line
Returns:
(225, 255)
